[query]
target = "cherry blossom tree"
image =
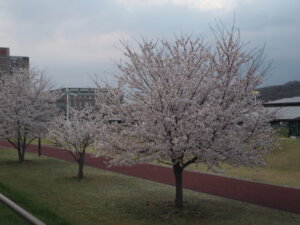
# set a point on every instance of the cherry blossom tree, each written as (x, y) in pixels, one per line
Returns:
(75, 134)
(26, 107)
(187, 101)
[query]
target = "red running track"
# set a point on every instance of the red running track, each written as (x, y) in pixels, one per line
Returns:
(283, 198)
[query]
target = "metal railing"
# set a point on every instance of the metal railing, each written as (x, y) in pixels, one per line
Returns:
(20, 211)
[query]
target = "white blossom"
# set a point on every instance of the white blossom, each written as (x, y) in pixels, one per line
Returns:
(188, 101)
(26, 107)
(75, 134)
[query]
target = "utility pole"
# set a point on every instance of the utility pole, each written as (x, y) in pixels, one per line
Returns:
(68, 102)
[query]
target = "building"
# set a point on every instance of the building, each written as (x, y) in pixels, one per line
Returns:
(287, 113)
(78, 98)
(75, 97)
(8, 63)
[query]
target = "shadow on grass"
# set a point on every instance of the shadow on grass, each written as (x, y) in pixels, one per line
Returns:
(102, 180)
(165, 210)
(16, 162)
(71, 179)
(203, 211)
(33, 162)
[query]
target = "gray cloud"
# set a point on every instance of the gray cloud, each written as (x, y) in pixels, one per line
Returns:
(74, 38)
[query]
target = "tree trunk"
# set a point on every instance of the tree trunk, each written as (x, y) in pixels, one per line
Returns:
(20, 149)
(178, 182)
(21, 153)
(80, 166)
(40, 147)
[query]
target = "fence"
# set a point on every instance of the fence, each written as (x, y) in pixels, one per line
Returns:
(20, 211)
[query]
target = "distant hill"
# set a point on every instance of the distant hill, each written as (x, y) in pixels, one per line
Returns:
(287, 90)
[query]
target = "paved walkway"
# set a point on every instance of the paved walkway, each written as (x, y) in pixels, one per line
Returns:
(283, 198)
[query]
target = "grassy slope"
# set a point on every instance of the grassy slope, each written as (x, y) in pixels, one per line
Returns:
(8, 217)
(44, 142)
(107, 198)
(283, 166)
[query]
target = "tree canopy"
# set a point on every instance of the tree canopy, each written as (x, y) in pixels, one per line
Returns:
(27, 107)
(187, 101)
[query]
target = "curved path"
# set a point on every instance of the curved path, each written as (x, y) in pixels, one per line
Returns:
(283, 198)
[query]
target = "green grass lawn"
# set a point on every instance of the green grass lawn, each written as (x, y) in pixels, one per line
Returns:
(9, 217)
(282, 168)
(44, 141)
(107, 198)
(48, 142)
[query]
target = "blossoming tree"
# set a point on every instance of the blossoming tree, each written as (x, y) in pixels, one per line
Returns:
(188, 101)
(26, 107)
(75, 133)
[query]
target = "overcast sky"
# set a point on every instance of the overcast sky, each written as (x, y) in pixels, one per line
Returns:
(74, 39)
